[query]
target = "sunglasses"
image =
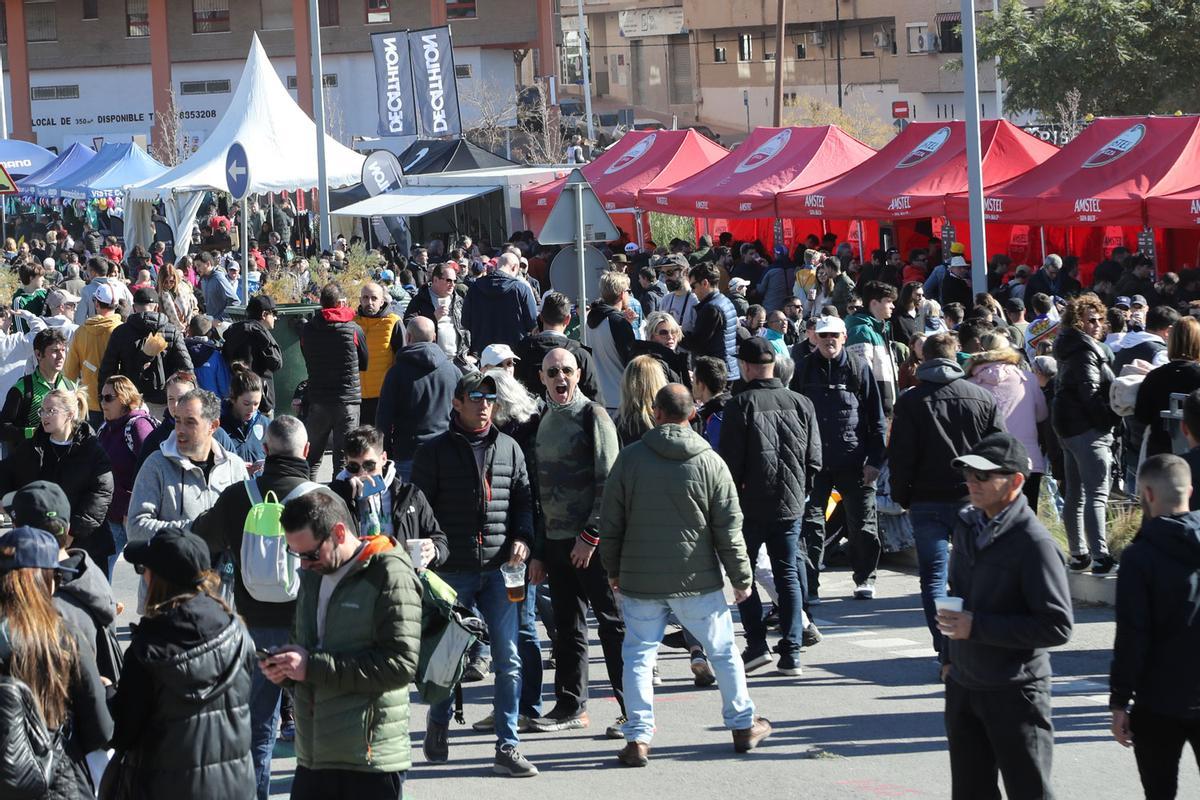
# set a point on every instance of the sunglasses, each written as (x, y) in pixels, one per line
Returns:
(107, 398)
(354, 467)
(554, 372)
(828, 335)
(308, 555)
(478, 396)
(976, 476)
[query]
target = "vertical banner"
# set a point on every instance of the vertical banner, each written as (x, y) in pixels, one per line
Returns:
(432, 57)
(394, 84)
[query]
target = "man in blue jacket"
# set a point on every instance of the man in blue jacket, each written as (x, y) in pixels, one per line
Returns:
(850, 415)
(499, 307)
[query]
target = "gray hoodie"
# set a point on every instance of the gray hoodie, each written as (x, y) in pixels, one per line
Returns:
(171, 491)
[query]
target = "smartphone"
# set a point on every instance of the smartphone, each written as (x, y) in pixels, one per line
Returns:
(263, 654)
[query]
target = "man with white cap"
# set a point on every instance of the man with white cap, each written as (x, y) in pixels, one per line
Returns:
(60, 311)
(737, 295)
(88, 346)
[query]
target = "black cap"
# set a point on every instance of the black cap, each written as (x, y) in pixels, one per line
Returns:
(145, 296)
(756, 350)
(1014, 304)
(177, 556)
(259, 305)
(999, 452)
(32, 549)
(41, 504)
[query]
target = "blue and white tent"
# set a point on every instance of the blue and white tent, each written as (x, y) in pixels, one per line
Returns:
(67, 162)
(115, 167)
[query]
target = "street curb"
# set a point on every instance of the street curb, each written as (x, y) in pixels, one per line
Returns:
(1088, 588)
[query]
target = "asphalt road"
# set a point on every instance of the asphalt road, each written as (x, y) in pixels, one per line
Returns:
(863, 721)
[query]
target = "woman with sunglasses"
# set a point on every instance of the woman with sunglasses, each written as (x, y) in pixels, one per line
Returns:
(182, 709)
(38, 648)
(127, 424)
(663, 336)
(64, 450)
(175, 297)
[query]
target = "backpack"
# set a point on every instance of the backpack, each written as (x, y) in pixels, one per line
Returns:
(447, 633)
(27, 749)
(1123, 391)
(269, 572)
(148, 372)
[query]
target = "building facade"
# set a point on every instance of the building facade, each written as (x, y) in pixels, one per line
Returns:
(98, 70)
(713, 62)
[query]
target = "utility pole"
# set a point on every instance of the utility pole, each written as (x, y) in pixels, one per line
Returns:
(999, 87)
(587, 73)
(974, 151)
(779, 26)
(837, 32)
(314, 27)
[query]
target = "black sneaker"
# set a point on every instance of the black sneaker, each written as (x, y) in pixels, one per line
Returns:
(811, 635)
(788, 665)
(1103, 565)
(477, 670)
(437, 742)
(1079, 563)
(510, 762)
(752, 659)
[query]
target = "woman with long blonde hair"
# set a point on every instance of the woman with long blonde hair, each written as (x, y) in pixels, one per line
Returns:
(38, 649)
(642, 379)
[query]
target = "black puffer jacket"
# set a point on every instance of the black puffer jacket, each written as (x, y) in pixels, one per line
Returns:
(335, 351)
(1154, 397)
(182, 711)
(935, 422)
(532, 351)
(250, 341)
(849, 408)
(416, 397)
(1081, 388)
(480, 514)
(124, 355)
(771, 442)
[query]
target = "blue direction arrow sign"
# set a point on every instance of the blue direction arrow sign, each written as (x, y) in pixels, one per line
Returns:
(237, 171)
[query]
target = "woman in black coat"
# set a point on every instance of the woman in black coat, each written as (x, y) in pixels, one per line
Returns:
(663, 336)
(1180, 375)
(64, 450)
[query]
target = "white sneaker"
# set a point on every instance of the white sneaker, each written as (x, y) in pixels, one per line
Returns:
(864, 591)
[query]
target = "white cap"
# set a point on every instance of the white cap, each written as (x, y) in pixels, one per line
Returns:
(631, 248)
(830, 325)
(104, 294)
(495, 354)
(958, 261)
(738, 283)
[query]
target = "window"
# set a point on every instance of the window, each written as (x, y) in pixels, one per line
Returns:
(210, 16)
(276, 15)
(41, 24)
(330, 81)
(91, 9)
(719, 55)
(745, 47)
(460, 9)
(137, 18)
(768, 41)
(866, 42)
(3, 24)
(949, 32)
(204, 87)
(68, 92)
(801, 51)
(328, 12)
(464, 70)
(379, 11)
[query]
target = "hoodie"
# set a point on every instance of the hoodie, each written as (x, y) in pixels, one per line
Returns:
(935, 422)
(124, 355)
(499, 309)
(182, 714)
(87, 349)
(1158, 619)
(670, 518)
(611, 338)
(208, 363)
(1019, 399)
(415, 399)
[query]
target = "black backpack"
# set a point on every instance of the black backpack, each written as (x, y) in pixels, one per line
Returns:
(148, 374)
(27, 749)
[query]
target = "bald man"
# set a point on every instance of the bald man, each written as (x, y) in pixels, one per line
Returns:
(385, 335)
(576, 447)
(499, 307)
(417, 392)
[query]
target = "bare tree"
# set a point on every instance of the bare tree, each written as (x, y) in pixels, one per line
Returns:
(542, 135)
(856, 118)
(1069, 120)
(168, 145)
(495, 113)
(335, 116)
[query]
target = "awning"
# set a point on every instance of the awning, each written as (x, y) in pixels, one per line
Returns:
(412, 201)
(948, 16)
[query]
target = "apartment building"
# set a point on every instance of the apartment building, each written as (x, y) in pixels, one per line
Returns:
(95, 70)
(713, 61)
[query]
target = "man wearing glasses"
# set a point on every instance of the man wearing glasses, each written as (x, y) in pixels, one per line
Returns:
(440, 303)
(475, 478)
(1009, 577)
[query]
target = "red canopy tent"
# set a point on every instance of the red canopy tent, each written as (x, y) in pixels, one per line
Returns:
(639, 160)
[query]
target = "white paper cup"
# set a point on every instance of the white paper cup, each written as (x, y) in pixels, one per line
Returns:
(948, 604)
(414, 550)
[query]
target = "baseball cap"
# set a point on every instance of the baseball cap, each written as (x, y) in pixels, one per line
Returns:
(145, 296)
(60, 296)
(631, 248)
(827, 324)
(104, 294)
(40, 504)
(738, 283)
(473, 381)
(999, 452)
(1137, 300)
(177, 556)
(495, 354)
(958, 261)
(1014, 304)
(958, 249)
(1122, 302)
(33, 548)
(756, 350)
(259, 304)
(387, 275)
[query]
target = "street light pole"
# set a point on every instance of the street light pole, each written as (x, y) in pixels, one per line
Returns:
(974, 151)
(779, 26)
(587, 73)
(318, 81)
(837, 32)
(999, 86)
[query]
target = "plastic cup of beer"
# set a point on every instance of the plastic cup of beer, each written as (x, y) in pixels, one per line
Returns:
(954, 604)
(514, 581)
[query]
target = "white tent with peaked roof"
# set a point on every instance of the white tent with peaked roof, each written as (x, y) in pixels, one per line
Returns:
(281, 146)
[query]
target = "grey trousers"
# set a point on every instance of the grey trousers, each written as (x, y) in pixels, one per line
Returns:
(1088, 461)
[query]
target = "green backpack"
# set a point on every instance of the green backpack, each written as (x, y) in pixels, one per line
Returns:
(269, 572)
(447, 633)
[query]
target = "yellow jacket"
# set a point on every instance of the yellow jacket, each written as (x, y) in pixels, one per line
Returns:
(380, 355)
(86, 353)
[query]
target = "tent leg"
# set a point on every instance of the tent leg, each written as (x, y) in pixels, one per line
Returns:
(862, 243)
(637, 218)
(1042, 234)
(246, 254)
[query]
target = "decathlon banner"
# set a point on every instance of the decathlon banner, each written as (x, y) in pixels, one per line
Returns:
(432, 57)
(394, 84)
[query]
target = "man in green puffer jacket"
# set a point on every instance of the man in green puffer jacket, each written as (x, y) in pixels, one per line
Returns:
(669, 521)
(357, 637)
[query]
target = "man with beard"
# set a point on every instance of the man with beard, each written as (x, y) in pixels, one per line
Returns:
(385, 335)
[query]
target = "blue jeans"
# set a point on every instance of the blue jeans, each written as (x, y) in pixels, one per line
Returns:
(782, 538)
(529, 645)
(485, 591)
(932, 525)
(707, 617)
(120, 539)
(264, 709)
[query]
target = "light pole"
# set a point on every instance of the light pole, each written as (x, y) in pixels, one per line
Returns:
(587, 73)
(318, 81)
(974, 151)
(779, 25)
(837, 32)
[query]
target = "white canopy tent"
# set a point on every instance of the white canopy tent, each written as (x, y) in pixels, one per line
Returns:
(281, 146)
(412, 201)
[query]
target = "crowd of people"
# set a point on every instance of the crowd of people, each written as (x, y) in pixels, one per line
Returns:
(719, 415)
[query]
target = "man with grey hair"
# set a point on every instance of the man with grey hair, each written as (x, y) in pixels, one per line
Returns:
(499, 308)
(1045, 280)
(284, 474)
(1155, 686)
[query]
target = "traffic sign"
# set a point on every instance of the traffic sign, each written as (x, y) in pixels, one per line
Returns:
(7, 184)
(562, 226)
(564, 271)
(237, 171)
(900, 109)
(900, 125)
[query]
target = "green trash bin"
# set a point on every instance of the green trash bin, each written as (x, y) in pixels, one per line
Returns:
(289, 319)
